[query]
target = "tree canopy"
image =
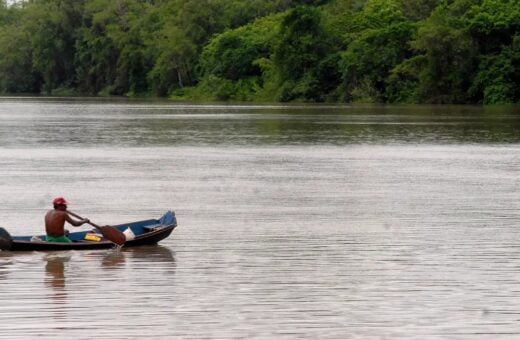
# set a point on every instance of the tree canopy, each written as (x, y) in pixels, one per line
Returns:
(390, 51)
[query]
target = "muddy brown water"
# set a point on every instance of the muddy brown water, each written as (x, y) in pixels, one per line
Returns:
(295, 222)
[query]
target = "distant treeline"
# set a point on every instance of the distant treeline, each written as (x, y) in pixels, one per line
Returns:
(391, 51)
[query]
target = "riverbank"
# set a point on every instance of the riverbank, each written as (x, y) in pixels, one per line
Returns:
(333, 51)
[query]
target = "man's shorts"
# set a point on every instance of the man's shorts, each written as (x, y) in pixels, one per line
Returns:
(63, 239)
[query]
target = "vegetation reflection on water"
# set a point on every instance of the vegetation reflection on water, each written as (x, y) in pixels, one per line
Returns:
(83, 123)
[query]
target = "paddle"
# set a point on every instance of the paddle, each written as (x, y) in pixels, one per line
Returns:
(110, 233)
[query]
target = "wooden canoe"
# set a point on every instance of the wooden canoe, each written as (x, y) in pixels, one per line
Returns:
(138, 233)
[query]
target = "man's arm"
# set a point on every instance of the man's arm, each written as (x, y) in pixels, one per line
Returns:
(75, 222)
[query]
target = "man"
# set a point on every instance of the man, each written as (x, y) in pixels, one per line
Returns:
(55, 221)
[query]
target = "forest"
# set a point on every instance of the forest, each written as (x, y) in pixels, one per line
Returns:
(369, 51)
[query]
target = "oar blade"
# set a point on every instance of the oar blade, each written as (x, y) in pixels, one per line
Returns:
(113, 235)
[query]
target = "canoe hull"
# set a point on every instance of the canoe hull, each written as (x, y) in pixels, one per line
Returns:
(146, 232)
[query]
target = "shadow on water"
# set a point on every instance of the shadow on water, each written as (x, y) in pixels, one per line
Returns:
(6, 261)
(153, 253)
(159, 257)
(156, 253)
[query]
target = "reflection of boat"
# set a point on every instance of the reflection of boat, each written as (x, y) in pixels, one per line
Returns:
(137, 233)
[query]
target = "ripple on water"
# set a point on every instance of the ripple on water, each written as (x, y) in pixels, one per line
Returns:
(376, 225)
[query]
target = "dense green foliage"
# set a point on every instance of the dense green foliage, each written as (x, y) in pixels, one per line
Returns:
(407, 51)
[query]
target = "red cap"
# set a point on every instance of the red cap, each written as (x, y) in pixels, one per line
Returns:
(59, 200)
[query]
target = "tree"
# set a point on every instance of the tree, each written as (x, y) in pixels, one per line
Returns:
(369, 59)
(449, 54)
(416, 10)
(499, 75)
(111, 54)
(493, 23)
(432, 51)
(96, 52)
(378, 40)
(52, 25)
(233, 58)
(16, 75)
(301, 46)
(174, 61)
(4, 13)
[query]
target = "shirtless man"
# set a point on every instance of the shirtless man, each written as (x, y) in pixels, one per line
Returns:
(55, 221)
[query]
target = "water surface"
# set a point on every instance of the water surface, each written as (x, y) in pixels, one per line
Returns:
(295, 222)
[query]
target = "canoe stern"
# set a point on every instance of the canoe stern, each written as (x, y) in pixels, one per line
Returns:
(6, 241)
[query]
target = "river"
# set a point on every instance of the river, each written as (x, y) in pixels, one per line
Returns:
(295, 221)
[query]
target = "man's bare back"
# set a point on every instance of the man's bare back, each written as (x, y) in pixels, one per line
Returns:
(55, 219)
(55, 222)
